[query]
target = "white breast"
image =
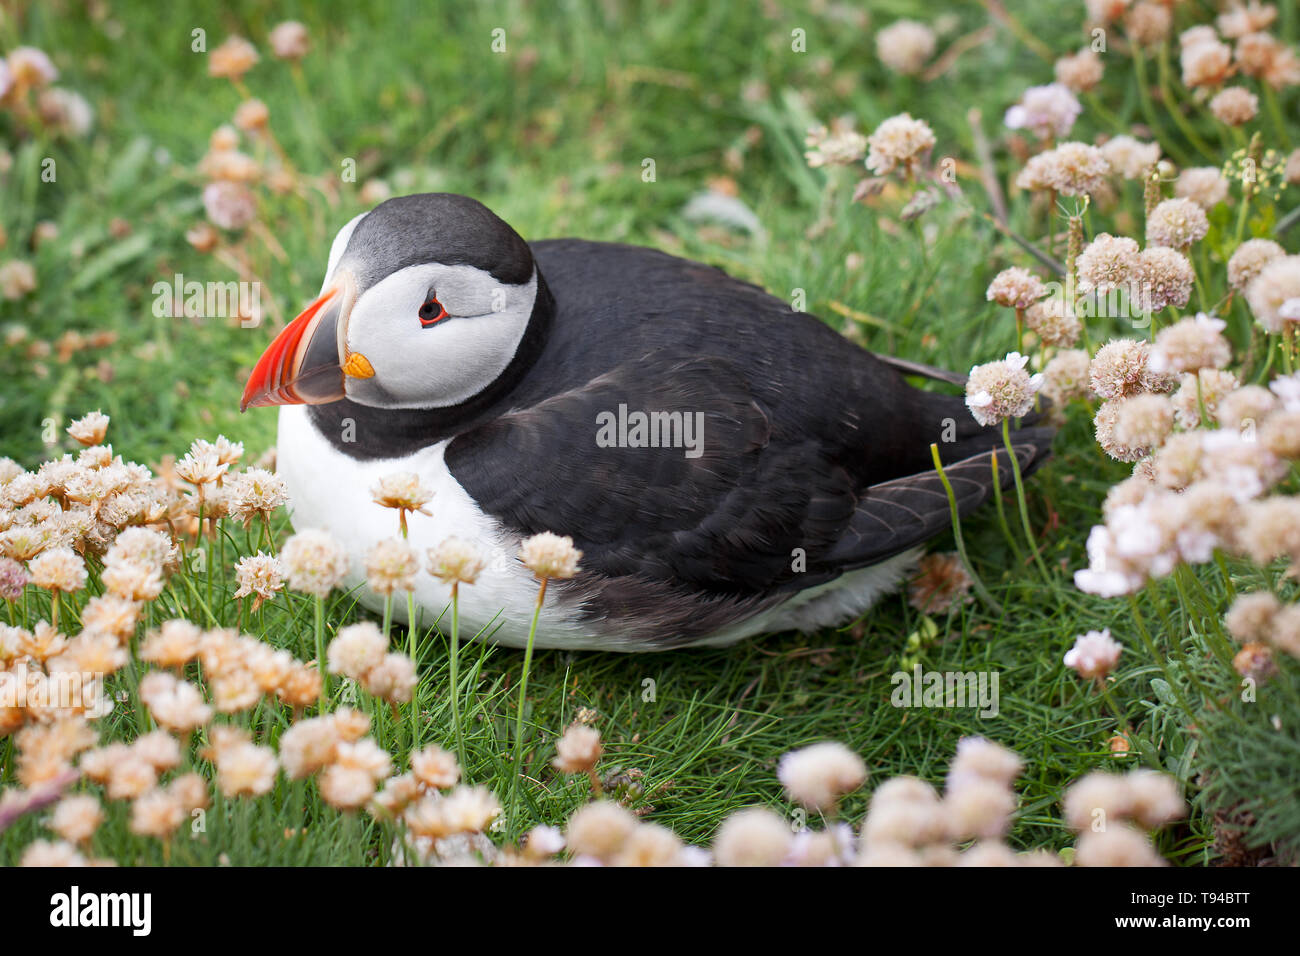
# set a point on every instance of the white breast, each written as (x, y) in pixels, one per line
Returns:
(330, 490)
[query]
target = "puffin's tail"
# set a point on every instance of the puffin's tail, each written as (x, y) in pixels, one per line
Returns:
(902, 513)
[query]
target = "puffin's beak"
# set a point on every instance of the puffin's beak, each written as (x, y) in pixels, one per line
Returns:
(303, 366)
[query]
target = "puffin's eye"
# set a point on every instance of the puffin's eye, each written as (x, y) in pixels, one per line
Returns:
(432, 311)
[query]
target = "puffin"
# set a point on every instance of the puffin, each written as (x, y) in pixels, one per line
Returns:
(728, 466)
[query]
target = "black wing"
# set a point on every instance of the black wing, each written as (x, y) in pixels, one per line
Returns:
(761, 509)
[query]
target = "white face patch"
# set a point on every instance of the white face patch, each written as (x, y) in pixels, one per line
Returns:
(446, 363)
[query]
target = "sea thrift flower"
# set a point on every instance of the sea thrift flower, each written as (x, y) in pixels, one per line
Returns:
(65, 113)
(1276, 284)
(357, 650)
(1280, 434)
(144, 547)
(1048, 111)
(403, 492)
(13, 578)
(1104, 12)
(1098, 797)
(941, 584)
(1154, 798)
(252, 115)
(1094, 654)
(599, 829)
(1015, 288)
(1255, 661)
(904, 811)
(468, 810)
(1247, 407)
(256, 492)
(393, 679)
(132, 581)
(76, 818)
(1054, 322)
(173, 645)
(1107, 263)
(1242, 18)
(156, 814)
(542, 842)
(1079, 72)
(1251, 617)
(289, 40)
(1177, 223)
(391, 565)
(1065, 377)
(1264, 56)
(456, 561)
(1214, 385)
(1071, 169)
(1235, 106)
(1203, 185)
(308, 746)
(1207, 63)
(999, 390)
(232, 59)
(316, 562)
(174, 704)
(550, 556)
(979, 808)
(90, 429)
(58, 569)
(110, 614)
(435, 768)
(30, 68)
(1271, 529)
(899, 141)
(905, 46)
(817, 776)
(17, 278)
(834, 147)
(1250, 259)
(1148, 23)
(1163, 277)
(1130, 158)
(578, 749)
(981, 758)
(261, 575)
(229, 205)
(245, 769)
(44, 853)
(1190, 345)
(1141, 424)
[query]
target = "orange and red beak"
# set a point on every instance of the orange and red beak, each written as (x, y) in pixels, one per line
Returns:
(308, 361)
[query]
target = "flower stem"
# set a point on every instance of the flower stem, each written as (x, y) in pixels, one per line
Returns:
(412, 648)
(1020, 497)
(519, 715)
(453, 659)
(320, 653)
(980, 589)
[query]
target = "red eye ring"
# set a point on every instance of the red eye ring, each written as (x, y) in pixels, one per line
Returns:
(432, 312)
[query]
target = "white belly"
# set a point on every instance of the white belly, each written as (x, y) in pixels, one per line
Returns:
(330, 490)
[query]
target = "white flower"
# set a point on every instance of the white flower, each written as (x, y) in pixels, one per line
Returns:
(1048, 111)
(999, 390)
(1094, 654)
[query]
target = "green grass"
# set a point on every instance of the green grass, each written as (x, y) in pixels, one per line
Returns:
(552, 135)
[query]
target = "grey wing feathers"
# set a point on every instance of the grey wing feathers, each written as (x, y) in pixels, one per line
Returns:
(899, 514)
